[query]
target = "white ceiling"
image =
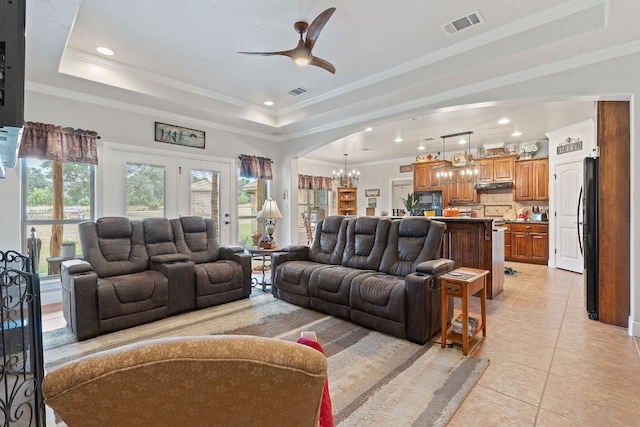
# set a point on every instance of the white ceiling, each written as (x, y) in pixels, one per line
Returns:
(393, 63)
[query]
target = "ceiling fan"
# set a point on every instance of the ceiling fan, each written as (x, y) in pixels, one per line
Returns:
(301, 54)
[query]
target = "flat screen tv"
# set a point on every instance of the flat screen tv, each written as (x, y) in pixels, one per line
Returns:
(12, 38)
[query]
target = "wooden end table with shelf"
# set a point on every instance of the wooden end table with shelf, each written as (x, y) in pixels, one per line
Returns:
(462, 283)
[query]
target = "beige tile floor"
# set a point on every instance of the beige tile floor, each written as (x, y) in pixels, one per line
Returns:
(549, 364)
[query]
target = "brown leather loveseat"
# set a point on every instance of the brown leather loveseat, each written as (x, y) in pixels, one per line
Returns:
(134, 272)
(377, 272)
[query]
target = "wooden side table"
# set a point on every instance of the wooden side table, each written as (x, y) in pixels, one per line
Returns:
(462, 283)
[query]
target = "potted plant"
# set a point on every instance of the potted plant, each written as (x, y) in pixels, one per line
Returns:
(68, 249)
(409, 203)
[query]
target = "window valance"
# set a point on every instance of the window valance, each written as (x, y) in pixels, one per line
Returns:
(50, 142)
(309, 182)
(255, 167)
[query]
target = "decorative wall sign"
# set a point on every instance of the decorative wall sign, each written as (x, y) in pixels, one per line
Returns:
(179, 135)
(406, 168)
(569, 145)
(373, 192)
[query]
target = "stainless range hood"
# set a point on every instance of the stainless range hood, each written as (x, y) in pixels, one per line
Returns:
(493, 185)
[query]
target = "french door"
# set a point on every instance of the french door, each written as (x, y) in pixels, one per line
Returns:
(140, 183)
(205, 189)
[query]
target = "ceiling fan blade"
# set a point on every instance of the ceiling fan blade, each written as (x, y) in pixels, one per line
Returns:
(288, 53)
(319, 62)
(316, 26)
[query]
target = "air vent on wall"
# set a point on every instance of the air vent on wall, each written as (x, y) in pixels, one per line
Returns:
(463, 23)
(298, 91)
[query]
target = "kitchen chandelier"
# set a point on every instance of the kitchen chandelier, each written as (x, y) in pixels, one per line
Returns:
(344, 178)
(462, 167)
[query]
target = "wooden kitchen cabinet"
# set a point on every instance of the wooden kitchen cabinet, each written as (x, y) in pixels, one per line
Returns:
(424, 175)
(507, 242)
(496, 168)
(347, 201)
(530, 243)
(532, 180)
(461, 192)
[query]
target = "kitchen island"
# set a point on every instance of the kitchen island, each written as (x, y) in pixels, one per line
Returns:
(476, 243)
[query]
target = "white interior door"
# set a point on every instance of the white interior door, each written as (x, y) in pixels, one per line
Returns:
(399, 191)
(568, 184)
(205, 189)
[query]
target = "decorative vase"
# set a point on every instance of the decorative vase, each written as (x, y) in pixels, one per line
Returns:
(68, 250)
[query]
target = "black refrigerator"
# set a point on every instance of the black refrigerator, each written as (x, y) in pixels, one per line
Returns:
(589, 243)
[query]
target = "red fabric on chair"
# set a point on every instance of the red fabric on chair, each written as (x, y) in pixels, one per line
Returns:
(326, 414)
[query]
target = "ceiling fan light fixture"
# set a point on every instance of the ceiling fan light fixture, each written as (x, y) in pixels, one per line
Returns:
(301, 59)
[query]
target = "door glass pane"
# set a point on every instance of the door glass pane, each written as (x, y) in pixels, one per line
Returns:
(205, 196)
(250, 199)
(145, 191)
(313, 206)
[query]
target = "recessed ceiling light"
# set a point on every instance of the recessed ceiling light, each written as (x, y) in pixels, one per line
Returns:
(368, 129)
(268, 103)
(462, 141)
(398, 139)
(421, 147)
(504, 121)
(104, 51)
(516, 133)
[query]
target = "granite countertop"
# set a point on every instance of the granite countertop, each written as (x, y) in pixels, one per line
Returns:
(506, 221)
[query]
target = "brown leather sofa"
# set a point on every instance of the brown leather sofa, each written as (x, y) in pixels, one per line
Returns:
(134, 272)
(377, 272)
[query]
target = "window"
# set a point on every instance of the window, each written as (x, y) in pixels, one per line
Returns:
(251, 196)
(145, 191)
(313, 205)
(55, 221)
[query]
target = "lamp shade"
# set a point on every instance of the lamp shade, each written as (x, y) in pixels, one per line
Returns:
(270, 210)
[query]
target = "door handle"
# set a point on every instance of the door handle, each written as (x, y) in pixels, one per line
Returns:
(578, 222)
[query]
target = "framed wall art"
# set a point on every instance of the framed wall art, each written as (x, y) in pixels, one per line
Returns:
(179, 135)
(374, 192)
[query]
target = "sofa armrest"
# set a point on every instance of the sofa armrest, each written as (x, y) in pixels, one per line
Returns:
(435, 267)
(80, 298)
(423, 306)
(232, 248)
(168, 258)
(181, 282)
(242, 258)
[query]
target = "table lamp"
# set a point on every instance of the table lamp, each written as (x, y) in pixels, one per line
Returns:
(269, 213)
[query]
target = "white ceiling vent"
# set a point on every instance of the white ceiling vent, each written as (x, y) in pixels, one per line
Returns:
(463, 23)
(298, 91)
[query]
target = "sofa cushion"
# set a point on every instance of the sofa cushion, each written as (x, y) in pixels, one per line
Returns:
(329, 289)
(131, 293)
(329, 240)
(114, 246)
(365, 242)
(378, 301)
(158, 236)
(293, 277)
(411, 241)
(196, 237)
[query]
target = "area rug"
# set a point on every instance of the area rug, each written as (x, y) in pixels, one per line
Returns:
(374, 379)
